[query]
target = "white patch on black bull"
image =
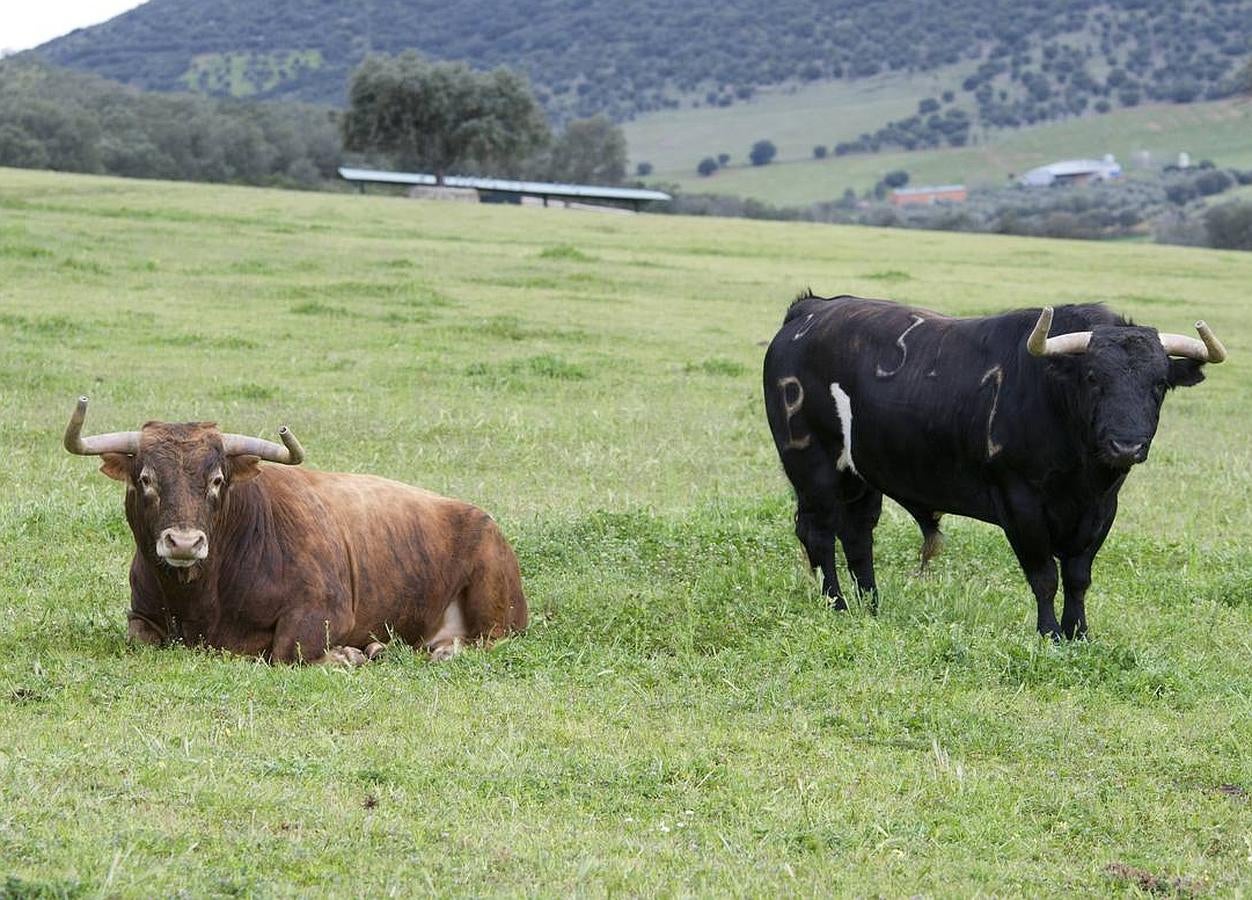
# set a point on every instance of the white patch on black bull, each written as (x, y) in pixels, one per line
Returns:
(843, 403)
(904, 351)
(804, 327)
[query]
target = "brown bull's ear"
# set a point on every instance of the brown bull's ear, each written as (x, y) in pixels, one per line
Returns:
(244, 468)
(116, 466)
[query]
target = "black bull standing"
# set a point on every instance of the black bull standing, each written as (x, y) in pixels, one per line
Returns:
(983, 417)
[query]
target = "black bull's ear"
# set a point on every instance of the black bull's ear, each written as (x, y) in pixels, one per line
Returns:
(1185, 372)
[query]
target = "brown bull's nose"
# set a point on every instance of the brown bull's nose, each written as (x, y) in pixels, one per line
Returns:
(182, 544)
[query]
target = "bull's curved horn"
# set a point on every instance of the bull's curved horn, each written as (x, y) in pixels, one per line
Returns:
(1039, 344)
(292, 454)
(114, 442)
(1207, 349)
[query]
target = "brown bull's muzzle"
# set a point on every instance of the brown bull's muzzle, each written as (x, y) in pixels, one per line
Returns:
(182, 547)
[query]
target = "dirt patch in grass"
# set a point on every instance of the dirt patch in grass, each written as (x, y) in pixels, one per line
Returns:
(1177, 885)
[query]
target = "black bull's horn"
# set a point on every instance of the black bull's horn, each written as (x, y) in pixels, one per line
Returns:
(288, 453)
(1207, 349)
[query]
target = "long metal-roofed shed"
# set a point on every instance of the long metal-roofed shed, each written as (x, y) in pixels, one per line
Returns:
(496, 187)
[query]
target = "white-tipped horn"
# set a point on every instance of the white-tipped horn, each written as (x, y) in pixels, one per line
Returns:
(1207, 349)
(292, 454)
(1039, 344)
(114, 442)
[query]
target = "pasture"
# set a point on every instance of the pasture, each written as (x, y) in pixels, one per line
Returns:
(677, 140)
(684, 715)
(794, 117)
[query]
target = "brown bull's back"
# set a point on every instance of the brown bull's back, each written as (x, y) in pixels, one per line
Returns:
(403, 553)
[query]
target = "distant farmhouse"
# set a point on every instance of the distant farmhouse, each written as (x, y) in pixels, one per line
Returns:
(1072, 171)
(928, 196)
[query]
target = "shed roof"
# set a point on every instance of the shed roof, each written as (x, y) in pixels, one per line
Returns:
(1041, 176)
(1080, 167)
(929, 189)
(534, 188)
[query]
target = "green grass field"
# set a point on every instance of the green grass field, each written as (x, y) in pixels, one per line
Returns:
(794, 117)
(684, 717)
(676, 141)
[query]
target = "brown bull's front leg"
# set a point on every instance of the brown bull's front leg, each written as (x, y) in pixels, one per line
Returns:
(142, 630)
(309, 636)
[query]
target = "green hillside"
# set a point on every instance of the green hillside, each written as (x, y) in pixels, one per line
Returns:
(795, 117)
(1220, 130)
(1026, 61)
(684, 716)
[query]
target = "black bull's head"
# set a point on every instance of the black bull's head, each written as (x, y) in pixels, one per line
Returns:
(177, 477)
(1119, 376)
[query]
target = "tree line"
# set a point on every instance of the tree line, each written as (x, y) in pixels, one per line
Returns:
(406, 112)
(1175, 207)
(52, 118)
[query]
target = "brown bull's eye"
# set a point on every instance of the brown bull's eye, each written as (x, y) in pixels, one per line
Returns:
(145, 481)
(216, 482)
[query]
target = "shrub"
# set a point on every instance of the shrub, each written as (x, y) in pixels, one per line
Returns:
(1229, 226)
(707, 166)
(896, 179)
(644, 169)
(1180, 193)
(762, 153)
(1176, 227)
(1212, 182)
(819, 152)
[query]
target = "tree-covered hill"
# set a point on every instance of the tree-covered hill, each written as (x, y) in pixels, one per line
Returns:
(1030, 61)
(52, 118)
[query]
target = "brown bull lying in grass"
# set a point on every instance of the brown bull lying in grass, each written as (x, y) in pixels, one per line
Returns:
(292, 564)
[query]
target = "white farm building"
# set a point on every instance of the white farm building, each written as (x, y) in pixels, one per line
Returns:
(1072, 171)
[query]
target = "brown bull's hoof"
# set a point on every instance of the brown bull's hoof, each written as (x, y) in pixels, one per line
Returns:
(445, 650)
(344, 656)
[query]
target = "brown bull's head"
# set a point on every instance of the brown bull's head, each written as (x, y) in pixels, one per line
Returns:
(177, 478)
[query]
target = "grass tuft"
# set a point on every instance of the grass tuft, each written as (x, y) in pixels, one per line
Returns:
(566, 252)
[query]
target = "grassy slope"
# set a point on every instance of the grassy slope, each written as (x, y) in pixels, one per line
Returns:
(795, 118)
(684, 715)
(1221, 131)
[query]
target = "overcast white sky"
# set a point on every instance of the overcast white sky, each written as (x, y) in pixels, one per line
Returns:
(31, 23)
